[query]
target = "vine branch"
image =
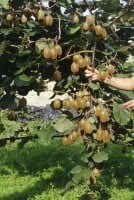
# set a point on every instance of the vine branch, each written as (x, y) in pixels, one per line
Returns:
(59, 28)
(78, 52)
(94, 51)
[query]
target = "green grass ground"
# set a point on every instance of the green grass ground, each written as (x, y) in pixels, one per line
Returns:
(40, 171)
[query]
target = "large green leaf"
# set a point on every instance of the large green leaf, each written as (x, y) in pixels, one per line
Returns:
(94, 86)
(77, 178)
(121, 116)
(83, 175)
(86, 173)
(77, 169)
(100, 157)
(63, 124)
(127, 94)
(4, 3)
(9, 101)
(23, 80)
(86, 156)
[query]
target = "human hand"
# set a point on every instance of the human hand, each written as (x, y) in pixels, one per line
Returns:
(129, 104)
(92, 73)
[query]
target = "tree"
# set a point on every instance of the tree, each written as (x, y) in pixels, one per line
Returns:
(39, 43)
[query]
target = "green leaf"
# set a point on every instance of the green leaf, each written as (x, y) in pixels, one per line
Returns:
(84, 175)
(3, 46)
(1, 127)
(31, 24)
(2, 89)
(9, 101)
(63, 124)
(100, 157)
(23, 52)
(77, 169)
(77, 178)
(78, 42)
(129, 66)
(94, 86)
(72, 30)
(92, 119)
(6, 31)
(121, 116)
(122, 49)
(127, 94)
(40, 45)
(85, 157)
(4, 3)
(23, 80)
(109, 47)
(20, 71)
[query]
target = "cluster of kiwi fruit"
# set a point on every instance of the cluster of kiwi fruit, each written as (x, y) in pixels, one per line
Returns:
(83, 126)
(71, 138)
(10, 18)
(79, 101)
(110, 69)
(90, 25)
(102, 113)
(52, 52)
(80, 62)
(45, 19)
(86, 126)
(103, 134)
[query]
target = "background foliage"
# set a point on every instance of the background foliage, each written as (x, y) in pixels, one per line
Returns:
(27, 36)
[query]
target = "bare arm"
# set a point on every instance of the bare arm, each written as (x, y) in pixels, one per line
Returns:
(117, 82)
(121, 83)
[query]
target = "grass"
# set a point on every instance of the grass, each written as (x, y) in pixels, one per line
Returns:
(40, 172)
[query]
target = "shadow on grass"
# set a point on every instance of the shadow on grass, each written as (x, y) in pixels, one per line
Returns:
(40, 186)
(119, 168)
(35, 159)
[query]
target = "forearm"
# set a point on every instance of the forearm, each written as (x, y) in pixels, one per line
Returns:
(121, 83)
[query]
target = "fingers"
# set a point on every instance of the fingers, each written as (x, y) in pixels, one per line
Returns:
(92, 73)
(92, 70)
(129, 104)
(93, 76)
